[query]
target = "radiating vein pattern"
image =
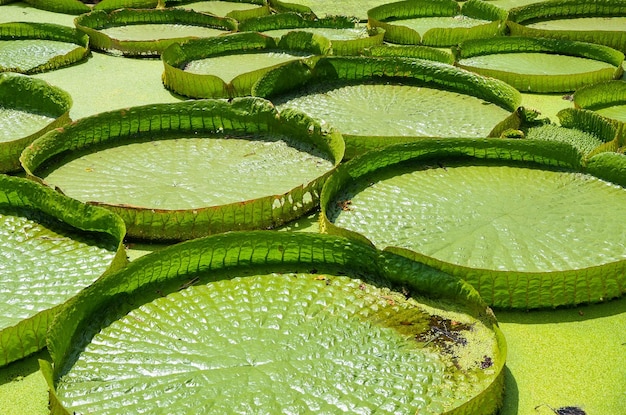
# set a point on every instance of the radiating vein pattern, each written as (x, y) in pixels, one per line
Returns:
(536, 63)
(147, 32)
(17, 123)
(186, 173)
(26, 54)
(43, 264)
(400, 110)
(276, 343)
(492, 217)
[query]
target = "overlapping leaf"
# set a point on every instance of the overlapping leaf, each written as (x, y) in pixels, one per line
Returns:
(53, 247)
(28, 108)
(379, 101)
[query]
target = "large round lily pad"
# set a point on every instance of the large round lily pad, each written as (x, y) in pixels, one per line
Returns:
(280, 323)
(437, 22)
(601, 21)
(178, 171)
(52, 247)
(239, 10)
(343, 35)
(81, 7)
(379, 101)
(519, 220)
(135, 32)
(541, 65)
(324, 8)
(37, 47)
(28, 108)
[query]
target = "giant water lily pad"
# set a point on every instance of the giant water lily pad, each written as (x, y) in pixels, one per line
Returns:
(324, 8)
(607, 99)
(28, 108)
(134, 32)
(38, 47)
(81, 7)
(378, 101)
(52, 247)
(228, 66)
(169, 169)
(541, 65)
(601, 22)
(594, 134)
(238, 10)
(519, 220)
(277, 322)
(344, 36)
(437, 22)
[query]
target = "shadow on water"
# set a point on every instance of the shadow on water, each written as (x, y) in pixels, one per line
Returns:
(581, 312)
(511, 394)
(16, 371)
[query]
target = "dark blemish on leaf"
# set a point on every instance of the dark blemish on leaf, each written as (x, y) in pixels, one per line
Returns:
(406, 293)
(313, 271)
(441, 165)
(444, 333)
(324, 278)
(344, 205)
(486, 363)
(568, 97)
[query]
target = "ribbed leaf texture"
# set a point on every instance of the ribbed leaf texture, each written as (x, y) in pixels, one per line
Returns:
(542, 268)
(299, 309)
(178, 199)
(53, 247)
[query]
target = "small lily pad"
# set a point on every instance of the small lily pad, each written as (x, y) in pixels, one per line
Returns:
(607, 99)
(28, 108)
(226, 66)
(38, 47)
